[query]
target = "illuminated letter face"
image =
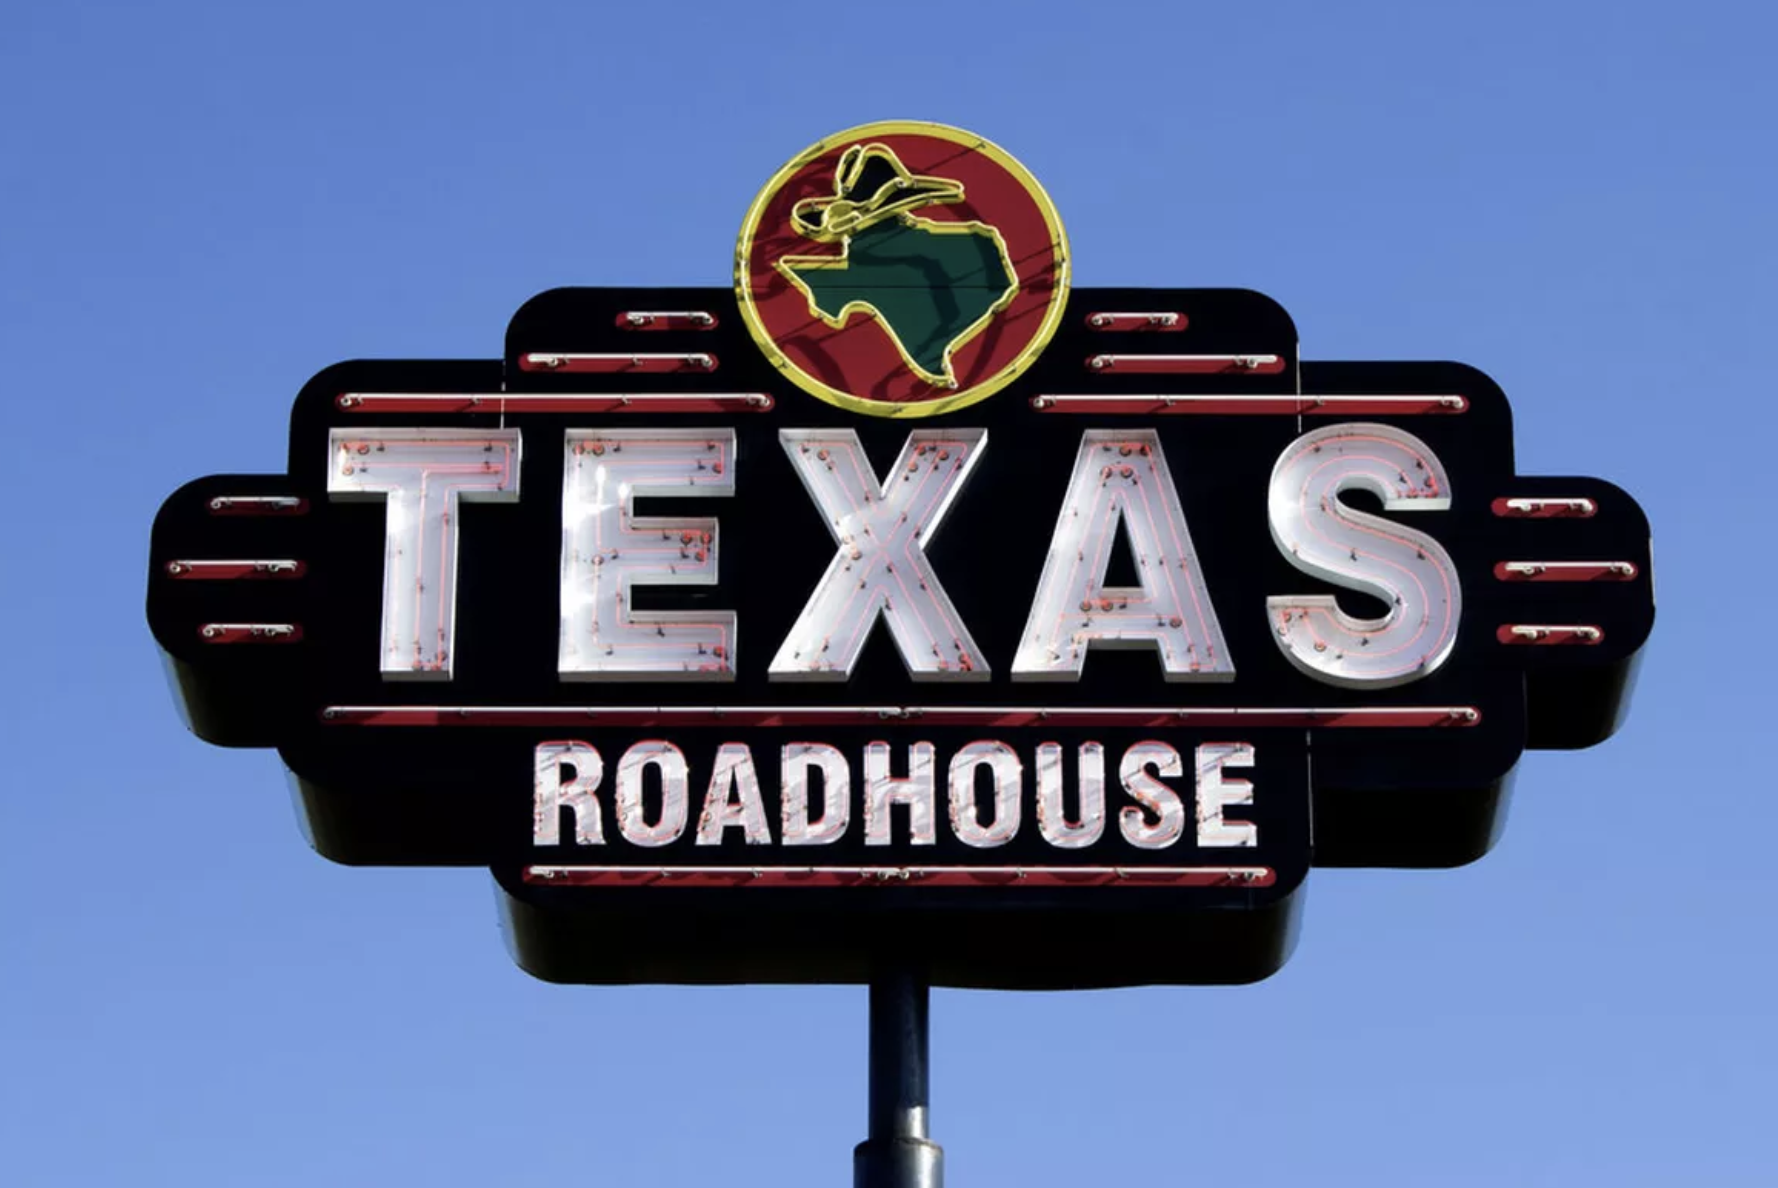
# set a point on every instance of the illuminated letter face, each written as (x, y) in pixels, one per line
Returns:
(1006, 771)
(1052, 821)
(607, 552)
(796, 760)
(1154, 797)
(882, 793)
(423, 474)
(1216, 793)
(1121, 480)
(579, 793)
(881, 566)
(1321, 536)
(631, 821)
(733, 799)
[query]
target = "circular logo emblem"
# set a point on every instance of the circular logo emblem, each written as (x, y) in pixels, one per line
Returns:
(902, 269)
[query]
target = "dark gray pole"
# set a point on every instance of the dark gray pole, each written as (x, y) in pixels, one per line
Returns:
(898, 1153)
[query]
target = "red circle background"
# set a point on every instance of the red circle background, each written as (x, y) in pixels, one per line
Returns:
(860, 359)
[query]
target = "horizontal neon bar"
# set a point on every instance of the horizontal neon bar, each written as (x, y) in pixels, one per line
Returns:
(1288, 405)
(666, 319)
(1565, 571)
(1158, 322)
(1187, 364)
(1372, 717)
(629, 364)
(553, 402)
(1544, 508)
(258, 505)
(879, 876)
(1548, 634)
(235, 633)
(222, 571)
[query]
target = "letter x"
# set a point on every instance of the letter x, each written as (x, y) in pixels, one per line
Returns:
(881, 566)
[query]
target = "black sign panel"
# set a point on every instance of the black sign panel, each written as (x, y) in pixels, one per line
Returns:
(731, 684)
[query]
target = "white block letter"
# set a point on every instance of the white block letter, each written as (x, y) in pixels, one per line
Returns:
(1152, 795)
(733, 799)
(1121, 481)
(881, 567)
(1004, 767)
(1052, 821)
(607, 552)
(1323, 537)
(674, 777)
(882, 793)
(1216, 793)
(550, 794)
(423, 474)
(795, 762)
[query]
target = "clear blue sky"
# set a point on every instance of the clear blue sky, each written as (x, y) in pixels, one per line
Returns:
(203, 204)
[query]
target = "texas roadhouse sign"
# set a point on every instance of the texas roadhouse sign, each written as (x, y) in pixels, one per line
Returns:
(901, 598)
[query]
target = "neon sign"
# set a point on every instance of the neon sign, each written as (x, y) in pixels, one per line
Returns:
(834, 607)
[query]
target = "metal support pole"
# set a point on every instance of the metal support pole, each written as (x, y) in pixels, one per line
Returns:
(898, 1153)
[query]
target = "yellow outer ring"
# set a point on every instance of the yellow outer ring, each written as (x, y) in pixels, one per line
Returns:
(921, 408)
